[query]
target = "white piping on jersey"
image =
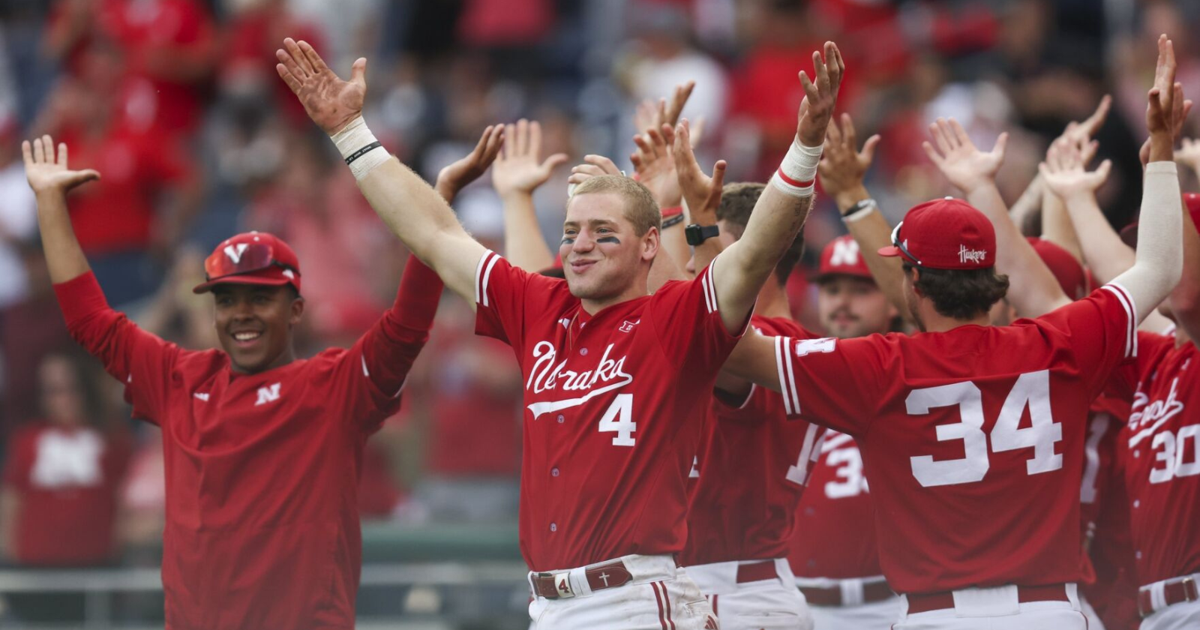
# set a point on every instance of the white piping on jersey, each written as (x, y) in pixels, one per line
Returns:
(482, 275)
(1127, 303)
(710, 289)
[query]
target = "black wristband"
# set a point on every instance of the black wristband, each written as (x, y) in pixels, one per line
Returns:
(675, 220)
(862, 205)
(697, 234)
(363, 151)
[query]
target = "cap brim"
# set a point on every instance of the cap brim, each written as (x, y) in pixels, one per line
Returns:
(891, 251)
(268, 282)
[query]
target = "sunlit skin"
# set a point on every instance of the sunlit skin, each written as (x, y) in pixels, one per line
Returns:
(604, 261)
(264, 316)
(852, 307)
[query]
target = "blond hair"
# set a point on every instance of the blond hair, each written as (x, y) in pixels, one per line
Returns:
(640, 208)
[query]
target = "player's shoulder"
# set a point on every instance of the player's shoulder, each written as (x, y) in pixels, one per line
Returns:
(494, 269)
(199, 363)
(780, 327)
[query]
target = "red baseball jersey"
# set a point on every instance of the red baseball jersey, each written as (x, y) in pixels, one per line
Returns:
(1161, 457)
(1105, 420)
(973, 438)
(835, 520)
(262, 526)
(752, 468)
(613, 410)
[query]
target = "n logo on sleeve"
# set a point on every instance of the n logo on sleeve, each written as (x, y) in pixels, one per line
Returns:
(268, 394)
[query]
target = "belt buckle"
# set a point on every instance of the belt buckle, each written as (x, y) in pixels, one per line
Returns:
(562, 584)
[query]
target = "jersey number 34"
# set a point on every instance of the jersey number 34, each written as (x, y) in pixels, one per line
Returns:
(1031, 390)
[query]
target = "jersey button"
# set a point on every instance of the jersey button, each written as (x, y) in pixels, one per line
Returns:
(1137, 453)
(1137, 503)
(561, 418)
(583, 351)
(554, 528)
(553, 472)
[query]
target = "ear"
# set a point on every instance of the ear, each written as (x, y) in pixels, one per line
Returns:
(650, 244)
(297, 311)
(913, 278)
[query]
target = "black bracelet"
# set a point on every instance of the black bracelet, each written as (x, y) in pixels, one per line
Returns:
(363, 151)
(862, 205)
(675, 220)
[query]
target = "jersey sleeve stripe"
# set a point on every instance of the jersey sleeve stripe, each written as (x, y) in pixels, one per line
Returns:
(710, 290)
(482, 274)
(783, 363)
(791, 379)
(1126, 301)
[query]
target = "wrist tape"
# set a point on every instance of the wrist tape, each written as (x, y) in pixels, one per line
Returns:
(798, 172)
(359, 148)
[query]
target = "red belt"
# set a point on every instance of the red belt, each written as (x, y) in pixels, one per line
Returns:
(609, 575)
(1025, 594)
(1184, 590)
(757, 572)
(832, 596)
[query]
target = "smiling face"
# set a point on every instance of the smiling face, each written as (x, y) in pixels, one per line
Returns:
(853, 307)
(254, 324)
(604, 259)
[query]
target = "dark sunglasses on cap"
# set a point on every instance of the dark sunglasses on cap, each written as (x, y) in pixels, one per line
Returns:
(241, 258)
(900, 245)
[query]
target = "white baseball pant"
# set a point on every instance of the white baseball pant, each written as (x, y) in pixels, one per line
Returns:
(997, 609)
(873, 616)
(1093, 619)
(1183, 616)
(772, 604)
(660, 597)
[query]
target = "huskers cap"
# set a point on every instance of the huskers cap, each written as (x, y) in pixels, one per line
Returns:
(251, 258)
(842, 257)
(944, 234)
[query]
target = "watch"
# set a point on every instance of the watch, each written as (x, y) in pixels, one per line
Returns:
(697, 234)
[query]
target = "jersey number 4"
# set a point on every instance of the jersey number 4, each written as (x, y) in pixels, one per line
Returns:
(619, 419)
(1031, 390)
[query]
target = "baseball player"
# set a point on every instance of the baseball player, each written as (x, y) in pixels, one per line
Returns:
(752, 465)
(614, 377)
(952, 422)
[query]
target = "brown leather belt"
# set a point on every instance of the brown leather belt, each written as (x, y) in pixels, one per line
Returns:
(832, 596)
(757, 572)
(557, 585)
(1184, 590)
(1025, 594)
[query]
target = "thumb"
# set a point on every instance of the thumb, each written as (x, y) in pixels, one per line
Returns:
(718, 176)
(868, 151)
(1103, 170)
(1001, 145)
(358, 72)
(553, 162)
(1046, 173)
(82, 177)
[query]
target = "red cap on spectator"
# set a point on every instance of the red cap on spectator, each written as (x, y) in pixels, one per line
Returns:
(944, 234)
(841, 257)
(1066, 269)
(251, 258)
(1191, 200)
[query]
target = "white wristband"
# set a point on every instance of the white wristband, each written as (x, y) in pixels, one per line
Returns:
(798, 172)
(359, 148)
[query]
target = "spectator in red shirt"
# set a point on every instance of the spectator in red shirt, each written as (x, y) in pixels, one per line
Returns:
(61, 477)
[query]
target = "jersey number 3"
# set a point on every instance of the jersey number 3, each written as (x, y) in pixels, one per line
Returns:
(1031, 390)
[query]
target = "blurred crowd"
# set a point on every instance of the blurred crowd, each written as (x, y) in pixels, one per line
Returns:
(178, 105)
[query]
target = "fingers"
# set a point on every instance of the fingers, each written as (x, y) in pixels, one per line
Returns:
(606, 166)
(27, 153)
(657, 142)
(939, 136)
(492, 142)
(834, 133)
(682, 94)
(934, 156)
(39, 153)
(822, 73)
(1096, 120)
(668, 136)
(1046, 172)
(718, 176)
(535, 139)
(62, 154)
(682, 149)
(1103, 170)
(358, 72)
(959, 136)
(288, 78)
(1088, 152)
(849, 131)
(298, 57)
(810, 90)
(645, 147)
(1154, 105)
(661, 115)
(554, 161)
(697, 132)
(868, 151)
(285, 58)
(510, 147)
(521, 140)
(314, 60)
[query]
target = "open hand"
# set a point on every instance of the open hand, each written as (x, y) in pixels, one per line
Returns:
(329, 101)
(964, 165)
(654, 115)
(1064, 169)
(593, 166)
(458, 175)
(655, 165)
(518, 169)
(1166, 109)
(816, 110)
(843, 167)
(45, 173)
(702, 193)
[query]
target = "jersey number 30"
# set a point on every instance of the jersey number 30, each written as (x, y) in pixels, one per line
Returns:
(1031, 390)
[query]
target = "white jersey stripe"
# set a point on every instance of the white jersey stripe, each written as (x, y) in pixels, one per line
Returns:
(487, 274)
(1133, 323)
(787, 403)
(791, 379)
(707, 295)
(479, 275)
(1131, 319)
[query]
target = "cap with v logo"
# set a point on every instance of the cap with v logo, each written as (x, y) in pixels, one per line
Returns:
(251, 258)
(944, 234)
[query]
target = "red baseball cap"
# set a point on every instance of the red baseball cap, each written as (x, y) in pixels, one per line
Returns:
(842, 257)
(251, 258)
(1191, 200)
(1066, 269)
(944, 234)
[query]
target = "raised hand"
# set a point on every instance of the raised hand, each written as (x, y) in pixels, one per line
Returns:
(1064, 169)
(1167, 109)
(655, 165)
(956, 157)
(330, 102)
(702, 193)
(45, 173)
(816, 110)
(843, 166)
(654, 115)
(458, 175)
(518, 170)
(593, 166)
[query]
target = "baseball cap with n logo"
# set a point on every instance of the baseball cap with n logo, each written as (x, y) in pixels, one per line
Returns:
(251, 258)
(944, 234)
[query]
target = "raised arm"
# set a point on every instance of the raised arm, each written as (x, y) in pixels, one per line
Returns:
(1033, 291)
(701, 192)
(1067, 179)
(517, 173)
(655, 164)
(1159, 263)
(842, 171)
(412, 209)
(1056, 223)
(51, 179)
(784, 204)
